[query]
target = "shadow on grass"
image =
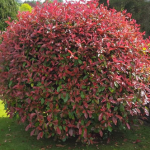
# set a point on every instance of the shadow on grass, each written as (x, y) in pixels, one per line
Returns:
(14, 137)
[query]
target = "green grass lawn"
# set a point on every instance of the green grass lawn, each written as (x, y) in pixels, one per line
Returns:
(14, 137)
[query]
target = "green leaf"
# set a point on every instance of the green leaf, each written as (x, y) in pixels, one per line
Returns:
(134, 99)
(60, 127)
(64, 139)
(109, 129)
(111, 90)
(7, 68)
(39, 84)
(85, 77)
(108, 105)
(83, 87)
(82, 94)
(71, 116)
(37, 124)
(53, 55)
(10, 83)
(121, 107)
(104, 117)
(65, 98)
(58, 88)
(101, 56)
(82, 122)
(24, 64)
(102, 88)
(42, 100)
(50, 125)
(32, 84)
(79, 61)
(116, 84)
(5, 106)
(116, 108)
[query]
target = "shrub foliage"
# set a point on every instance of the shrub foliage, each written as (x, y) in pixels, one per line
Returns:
(140, 10)
(74, 70)
(25, 7)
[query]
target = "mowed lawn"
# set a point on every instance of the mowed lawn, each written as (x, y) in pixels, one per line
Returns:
(14, 137)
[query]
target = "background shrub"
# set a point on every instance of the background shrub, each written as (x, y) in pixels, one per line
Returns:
(8, 8)
(140, 10)
(25, 7)
(74, 70)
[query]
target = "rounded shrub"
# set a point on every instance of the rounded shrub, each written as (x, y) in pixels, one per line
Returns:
(74, 70)
(25, 7)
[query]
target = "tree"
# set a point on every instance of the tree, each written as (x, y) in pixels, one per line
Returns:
(8, 8)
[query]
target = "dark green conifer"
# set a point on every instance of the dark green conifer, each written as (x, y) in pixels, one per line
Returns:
(8, 8)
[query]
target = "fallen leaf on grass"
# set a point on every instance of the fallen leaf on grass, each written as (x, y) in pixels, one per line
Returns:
(49, 146)
(59, 145)
(125, 140)
(137, 141)
(108, 140)
(8, 134)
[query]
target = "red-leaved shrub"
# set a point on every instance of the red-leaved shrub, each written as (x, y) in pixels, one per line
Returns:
(74, 69)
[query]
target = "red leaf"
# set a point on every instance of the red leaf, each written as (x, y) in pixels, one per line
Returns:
(101, 32)
(137, 141)
(129, 104)
(112, 101)
(100, 117)
(75, 57)
(27, 128)
(32, 115)
(114, 120)
(119, 117)
(39, 128)
(40, 135)
(32, 132)
(66, 129)
(85, 115)
(101, 133)
(80, 131)
(58, 130)
(85, 133)
(85, 104)
(108, 140)
(70, 52)
(71, 132)
(128, 125)
(108, 2)
(88, 123)
(23, 119)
